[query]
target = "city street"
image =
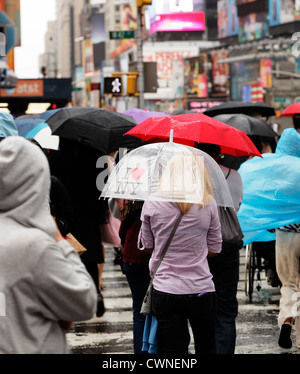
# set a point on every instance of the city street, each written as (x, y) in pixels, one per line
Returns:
(188, 102)
(257, 330)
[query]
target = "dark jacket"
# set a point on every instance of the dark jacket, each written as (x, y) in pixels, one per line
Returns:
(129, 231)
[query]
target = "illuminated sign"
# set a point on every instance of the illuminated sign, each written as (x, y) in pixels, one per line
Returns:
(181, 15)
(113, 85)
(26, 88)
(183, 21)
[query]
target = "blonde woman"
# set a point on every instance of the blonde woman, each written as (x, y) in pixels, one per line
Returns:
(183, 286)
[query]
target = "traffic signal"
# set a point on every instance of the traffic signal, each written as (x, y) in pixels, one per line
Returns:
(140, 3)
(3, 77)
(113, 85)
(131, 84)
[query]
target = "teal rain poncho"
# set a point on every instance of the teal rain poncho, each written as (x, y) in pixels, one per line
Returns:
(271, 187)
(7, 125)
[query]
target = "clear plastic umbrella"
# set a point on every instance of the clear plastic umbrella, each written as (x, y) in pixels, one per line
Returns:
(168, 172)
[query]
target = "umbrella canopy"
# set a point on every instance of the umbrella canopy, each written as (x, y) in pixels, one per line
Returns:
(196, 127)
(46, 140)
(291, 110)
(48, 113)
(250, 125)
(140, 115)
(263, 109)
(45, 115)
(95, 127)
(168, 172)
(31, 127)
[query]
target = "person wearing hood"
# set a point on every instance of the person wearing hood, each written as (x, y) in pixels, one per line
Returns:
(7, 126)
(296, 122)
(42, 279)
(271, 210)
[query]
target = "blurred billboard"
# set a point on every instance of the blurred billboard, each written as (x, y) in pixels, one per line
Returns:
(180, 15)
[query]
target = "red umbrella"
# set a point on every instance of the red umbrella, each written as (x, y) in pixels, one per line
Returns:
(291, 110)
(196, 127)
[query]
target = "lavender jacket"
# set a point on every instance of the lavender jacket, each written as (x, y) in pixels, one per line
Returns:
(184, 269)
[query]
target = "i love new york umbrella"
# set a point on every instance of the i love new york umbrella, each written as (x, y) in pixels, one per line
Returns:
(196, 127)
(168, 172)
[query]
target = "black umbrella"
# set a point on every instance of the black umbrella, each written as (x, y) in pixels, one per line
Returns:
(263, 109)
(250, 125)
(95, 127)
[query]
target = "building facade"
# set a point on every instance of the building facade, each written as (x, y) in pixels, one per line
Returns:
(86, 50)
(236, 50)
(262, 43)
(10, 38)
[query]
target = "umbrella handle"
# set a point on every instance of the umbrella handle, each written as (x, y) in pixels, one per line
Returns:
(171, 135)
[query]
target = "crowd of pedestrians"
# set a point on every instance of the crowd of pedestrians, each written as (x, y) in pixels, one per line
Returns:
(48, 286)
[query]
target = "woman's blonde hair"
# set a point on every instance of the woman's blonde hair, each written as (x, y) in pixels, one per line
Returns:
(185, 207)
(180, 166)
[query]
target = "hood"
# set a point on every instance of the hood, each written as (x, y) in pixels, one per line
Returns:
(7, 125)
(289, 143)
(25, 184)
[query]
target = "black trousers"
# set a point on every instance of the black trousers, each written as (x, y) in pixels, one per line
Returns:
(225, 271)
(173, 313)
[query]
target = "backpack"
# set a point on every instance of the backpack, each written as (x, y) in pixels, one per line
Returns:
(232, 234)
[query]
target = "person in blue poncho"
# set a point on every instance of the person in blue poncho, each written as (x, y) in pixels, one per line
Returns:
(7, 125)
(272, 201)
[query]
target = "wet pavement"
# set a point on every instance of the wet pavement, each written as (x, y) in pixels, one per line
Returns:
(257, 330)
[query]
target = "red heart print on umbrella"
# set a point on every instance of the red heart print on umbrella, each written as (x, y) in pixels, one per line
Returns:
(137, 173)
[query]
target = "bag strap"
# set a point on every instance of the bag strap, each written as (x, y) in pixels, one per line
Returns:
(228, 173)
(167, 244)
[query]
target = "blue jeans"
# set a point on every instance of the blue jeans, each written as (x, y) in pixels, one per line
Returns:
(225, 271)
(138, 279)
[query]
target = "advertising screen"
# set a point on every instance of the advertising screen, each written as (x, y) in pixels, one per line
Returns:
(254, 26)
(228, 23)
(195, 76)
(283, 11)
(274, 12)
(287, 11)
(176, 15)
(220, 74)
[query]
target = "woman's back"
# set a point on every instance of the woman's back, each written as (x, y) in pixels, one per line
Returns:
(184, 269)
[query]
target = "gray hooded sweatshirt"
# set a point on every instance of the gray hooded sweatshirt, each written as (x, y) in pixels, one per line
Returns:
(41, 281)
